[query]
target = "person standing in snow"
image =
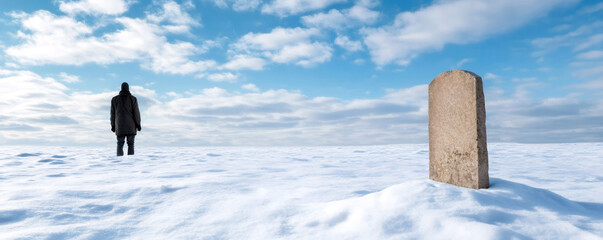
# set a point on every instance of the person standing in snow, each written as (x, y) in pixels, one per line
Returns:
(125, 119)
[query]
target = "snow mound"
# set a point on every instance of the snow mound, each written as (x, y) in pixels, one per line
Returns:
(432, 210)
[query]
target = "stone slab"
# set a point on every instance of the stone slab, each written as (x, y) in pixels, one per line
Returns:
(458, 151)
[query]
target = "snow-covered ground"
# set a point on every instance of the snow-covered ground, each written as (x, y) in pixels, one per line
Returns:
(552, 191)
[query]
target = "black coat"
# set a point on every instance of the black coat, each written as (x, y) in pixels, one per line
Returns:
(125, 116)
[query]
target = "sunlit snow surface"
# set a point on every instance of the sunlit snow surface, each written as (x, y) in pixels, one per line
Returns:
(550, 191)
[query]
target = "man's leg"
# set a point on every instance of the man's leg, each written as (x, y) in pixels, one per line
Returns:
(120, 145)
(131, 144)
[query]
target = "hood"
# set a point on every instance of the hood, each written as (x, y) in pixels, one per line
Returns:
(125, 87)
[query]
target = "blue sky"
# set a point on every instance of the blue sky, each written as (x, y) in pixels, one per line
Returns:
(296, 72)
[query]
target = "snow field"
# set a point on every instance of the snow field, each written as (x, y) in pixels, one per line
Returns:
(550, 191)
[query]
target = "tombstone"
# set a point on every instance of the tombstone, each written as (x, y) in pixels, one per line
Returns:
(458, 151)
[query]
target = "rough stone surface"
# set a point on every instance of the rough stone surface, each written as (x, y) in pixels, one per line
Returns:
(458, 151)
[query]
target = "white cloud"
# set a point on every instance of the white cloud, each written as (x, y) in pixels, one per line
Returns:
(69, 78)
(51, 113)
(450, 22)
(173, 94)
(594, 54)
(362, 14)
(335, 19)
(518, 117)
(367, 3)
(304, 54)
(594, 84)
(223, 77)
(95, 7)
(491, 76)
(251, 87)
(463, 61)
(12, 65)
(238, 5)
(51, 39)
(591, 8)
(209, 44)
(561, 28)
(276, 39)
(590, 69)
(281, 117)
(291, 7)
(220, 3)
(347, 44)
(591, 41)
(241, 62)
(581, 38)
(174, 59)
(285, 45)
(179, 21)
(242, 5)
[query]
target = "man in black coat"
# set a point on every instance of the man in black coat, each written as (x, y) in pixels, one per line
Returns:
(125, 119)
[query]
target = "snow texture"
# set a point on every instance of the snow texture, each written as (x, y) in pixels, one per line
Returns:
(550, 191)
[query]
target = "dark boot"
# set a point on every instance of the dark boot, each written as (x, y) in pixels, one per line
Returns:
(120, 145)
(130, 149)
(131, 144)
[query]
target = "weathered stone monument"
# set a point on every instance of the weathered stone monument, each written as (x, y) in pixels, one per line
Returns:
(458, 152)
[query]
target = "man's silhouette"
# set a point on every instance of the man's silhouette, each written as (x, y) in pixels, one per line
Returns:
(125, 119)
